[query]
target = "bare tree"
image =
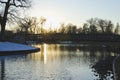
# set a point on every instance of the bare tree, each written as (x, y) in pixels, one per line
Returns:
(102, 25)
(9, 8)
(25, 24)
(92, 21)
(79, 30)
(62, 28)
(93, 29)
(34, 28)
(106, 26)
(117, 29)
(42, 22)
(92, 25)
(109, 27)
(85, 28)
(71, 29)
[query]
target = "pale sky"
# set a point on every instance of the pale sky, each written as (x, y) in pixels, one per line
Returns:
(76, 11)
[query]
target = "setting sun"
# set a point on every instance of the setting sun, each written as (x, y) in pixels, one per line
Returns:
(51, 23)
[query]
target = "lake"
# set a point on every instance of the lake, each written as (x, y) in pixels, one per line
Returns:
(60, 62)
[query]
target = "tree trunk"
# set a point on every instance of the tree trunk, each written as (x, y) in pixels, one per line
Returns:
(4, 20)
(2, 33)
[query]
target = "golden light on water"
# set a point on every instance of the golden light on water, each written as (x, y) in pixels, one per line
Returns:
(45, 54)
(41, 55)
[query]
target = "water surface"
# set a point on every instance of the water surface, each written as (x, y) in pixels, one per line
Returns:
(59, 62)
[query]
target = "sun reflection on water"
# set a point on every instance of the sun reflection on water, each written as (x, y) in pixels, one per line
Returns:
(70, 62)
(41, 55)
(45, 54)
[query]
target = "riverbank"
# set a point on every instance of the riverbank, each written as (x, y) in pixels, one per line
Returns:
(8, 48)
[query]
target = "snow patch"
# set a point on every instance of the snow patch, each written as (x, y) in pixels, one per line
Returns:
(8, 46)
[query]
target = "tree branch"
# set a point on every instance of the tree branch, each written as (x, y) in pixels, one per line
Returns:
(20, 5)
(3, 2)
(13, 15)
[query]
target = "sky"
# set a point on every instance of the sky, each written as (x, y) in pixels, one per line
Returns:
(75, 11)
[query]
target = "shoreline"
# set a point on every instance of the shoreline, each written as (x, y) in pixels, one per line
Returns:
(10, 48)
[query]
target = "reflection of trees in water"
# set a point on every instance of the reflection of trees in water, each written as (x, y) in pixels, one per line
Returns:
(99, 58)
(91, 52)
(103, 68)
(2, 69)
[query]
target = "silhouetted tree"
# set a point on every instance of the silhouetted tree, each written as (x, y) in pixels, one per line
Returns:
(85, 28)
(106, 26)
(79, 30)
(92, 21)
(117, 29)
(25, 24)
(35, 28)
(9, 9)
(93, 29)
(92, 25)
(42, 22)
(71, 29)
(101, 23)
(109, 27)
(62, 28)
(29, 25)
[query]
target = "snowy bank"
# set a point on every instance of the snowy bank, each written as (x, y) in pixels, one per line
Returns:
(8, 47)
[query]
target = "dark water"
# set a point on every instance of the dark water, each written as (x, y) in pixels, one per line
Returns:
(59, 62)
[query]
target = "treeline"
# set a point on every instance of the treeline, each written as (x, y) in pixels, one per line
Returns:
(92, 26)
(58, 37)
(95, 29)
